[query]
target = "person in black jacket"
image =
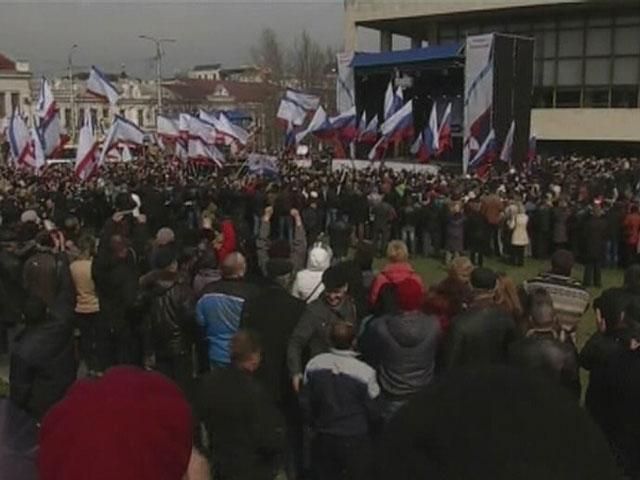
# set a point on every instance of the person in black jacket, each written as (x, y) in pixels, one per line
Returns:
(246, 430)
(595, 242)
(116, 279)
(11, 292)
(402, 348)
(43, 364)
(482, 334)
(170, 327)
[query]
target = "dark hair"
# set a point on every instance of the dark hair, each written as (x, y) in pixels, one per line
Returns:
(342, 335)
(363, 255)
(387, 301)
(562, 262)
(244, 344)
(612, 304)
(87, 244)
(540, 308)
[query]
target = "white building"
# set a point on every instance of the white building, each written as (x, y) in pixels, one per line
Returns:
(205, 72)
(15, 86)
(587, 54)
(137, 101)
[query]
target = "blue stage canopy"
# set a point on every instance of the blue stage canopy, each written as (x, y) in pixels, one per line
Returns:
(414, 55)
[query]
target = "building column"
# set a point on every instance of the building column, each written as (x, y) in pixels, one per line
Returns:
(7, 104)
(416, 42)
(432, 33)
(386, 41)
(350, 36)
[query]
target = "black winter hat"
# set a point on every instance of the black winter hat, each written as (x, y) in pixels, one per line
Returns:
(164, 257)
(483, 279)
(335, 277)
(277, 267)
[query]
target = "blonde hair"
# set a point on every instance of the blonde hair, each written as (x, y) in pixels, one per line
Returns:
(397, 251)
(461, 269)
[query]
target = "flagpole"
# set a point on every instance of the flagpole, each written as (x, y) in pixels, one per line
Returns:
(72, 93)
(159, 55)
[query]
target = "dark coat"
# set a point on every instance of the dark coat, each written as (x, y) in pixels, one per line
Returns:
(12, 295)
(454, 241)
(402, 348)
(549, 356)
(247, 432)
(612, 399)
(477, 232)
(595, 238)
(117, 288)
(479, 336)
(560, 216)
(170, 327)
(43, 366)
(274, 314)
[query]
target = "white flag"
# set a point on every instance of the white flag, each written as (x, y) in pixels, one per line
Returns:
(99, 85)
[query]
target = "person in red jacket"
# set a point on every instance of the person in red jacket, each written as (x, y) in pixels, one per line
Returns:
(397, 270)
(225, 241)
(631, 229)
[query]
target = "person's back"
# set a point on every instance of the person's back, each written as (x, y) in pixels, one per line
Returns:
(308, 282)
(43, 364)
(338, 400)
(245, 429)
(221, 310)
(482, 334)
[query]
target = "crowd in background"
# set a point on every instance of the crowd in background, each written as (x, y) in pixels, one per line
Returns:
(288, 353)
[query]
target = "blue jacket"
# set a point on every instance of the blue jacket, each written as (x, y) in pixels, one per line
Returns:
(221, 311)
(339, 392)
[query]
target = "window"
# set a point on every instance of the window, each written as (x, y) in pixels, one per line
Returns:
(624, 97)
(596, 98)
(3, 112)
(569, 98)
(597, 71)
(570, 72)
(549, 44)
(627, 40)
(598, 41)
(549, 73)
(626, 71)
(67, 118)
(94, 116)
(570, 43)
(15, 101)
(81, 116)
(105, 113)
(140, 117)
(543, 98)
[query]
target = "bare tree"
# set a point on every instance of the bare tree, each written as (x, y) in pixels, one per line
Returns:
(269, 53)
(307, 60)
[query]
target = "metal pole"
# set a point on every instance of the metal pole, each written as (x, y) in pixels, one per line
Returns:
(72, 94)
(158, 42)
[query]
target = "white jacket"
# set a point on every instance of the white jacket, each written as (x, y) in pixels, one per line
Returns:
(308, 283)
(519, 236)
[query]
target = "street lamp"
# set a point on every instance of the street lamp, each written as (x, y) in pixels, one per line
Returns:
(73, 120)
(159, 54)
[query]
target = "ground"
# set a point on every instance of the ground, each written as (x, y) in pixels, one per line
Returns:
(433, 271)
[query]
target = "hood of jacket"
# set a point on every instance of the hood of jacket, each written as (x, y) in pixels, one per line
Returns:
(157, 282)
(407, 329)
(319, 259)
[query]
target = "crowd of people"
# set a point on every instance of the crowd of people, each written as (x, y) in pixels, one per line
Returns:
(169, 323)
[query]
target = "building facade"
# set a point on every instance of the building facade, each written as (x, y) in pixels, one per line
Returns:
(15, 86)
(137, 102)
(587, 54)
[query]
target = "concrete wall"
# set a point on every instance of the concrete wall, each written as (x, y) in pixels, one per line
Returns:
(586, 124)
(358, 11)
(15, 84)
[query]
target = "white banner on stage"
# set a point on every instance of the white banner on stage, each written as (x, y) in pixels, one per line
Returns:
(478, 98)
(345, 83)
(342, 163)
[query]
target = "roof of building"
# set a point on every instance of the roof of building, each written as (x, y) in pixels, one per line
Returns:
(6, 63)
(195, 90)
(211, 66)
(413, 55)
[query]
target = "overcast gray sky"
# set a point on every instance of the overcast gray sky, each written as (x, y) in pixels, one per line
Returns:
(206, 32)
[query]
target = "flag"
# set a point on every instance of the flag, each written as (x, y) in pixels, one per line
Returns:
(482, 160)
(121, 131)
(345, 82)
(399, 126)
(318, 126)
(168, 128)
(126, 154)
(197, 128)
(426, 145)
(393, 101)
(506, 155)
(37, 145)
(87, 154)
(201, 152)
(295, 106)
(264, 165)
(378, 150)
(362, 124)
(100, 86)
(445, 139)
(370, 133)
(344, 125)
(48, 122)
(232, 131)
(20, 146)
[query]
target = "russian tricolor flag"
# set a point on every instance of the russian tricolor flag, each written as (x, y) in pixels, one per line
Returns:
(396, 129)
(506, 155)
(445, 139)
(99, 85)
(483, 159)
(370, 134)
